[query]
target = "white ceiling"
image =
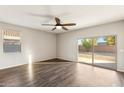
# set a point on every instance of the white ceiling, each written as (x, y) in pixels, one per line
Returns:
(84, 16)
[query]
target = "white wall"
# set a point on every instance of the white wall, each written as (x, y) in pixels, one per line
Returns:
(42, 45)
(39, 44)
(67, 42)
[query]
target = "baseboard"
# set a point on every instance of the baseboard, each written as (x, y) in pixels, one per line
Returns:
(56, 60)
(14, 66)
(119, 70)
(49, 60)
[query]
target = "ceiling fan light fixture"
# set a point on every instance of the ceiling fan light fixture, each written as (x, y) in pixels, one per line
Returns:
(59, 27)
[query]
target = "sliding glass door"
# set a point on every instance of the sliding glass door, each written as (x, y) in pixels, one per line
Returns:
(85, 50)
(105, 51)
(99, 51)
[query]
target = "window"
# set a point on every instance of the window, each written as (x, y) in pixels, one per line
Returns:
(11, 42)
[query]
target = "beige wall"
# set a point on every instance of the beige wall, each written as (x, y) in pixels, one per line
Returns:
(67, 42)
(39, 44)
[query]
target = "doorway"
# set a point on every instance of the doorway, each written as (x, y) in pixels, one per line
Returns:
(99, 51)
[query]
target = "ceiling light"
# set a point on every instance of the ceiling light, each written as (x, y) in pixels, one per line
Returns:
(59, 27)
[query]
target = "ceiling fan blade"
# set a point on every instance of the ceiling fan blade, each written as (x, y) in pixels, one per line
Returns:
(69, 24)
(53, 28)
(48, 24)
(64, 28)
(57, 20)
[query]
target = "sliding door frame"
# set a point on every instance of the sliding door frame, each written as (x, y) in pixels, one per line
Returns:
(116, 61)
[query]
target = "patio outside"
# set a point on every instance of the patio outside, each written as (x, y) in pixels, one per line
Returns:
(100, 50)
(98, 57)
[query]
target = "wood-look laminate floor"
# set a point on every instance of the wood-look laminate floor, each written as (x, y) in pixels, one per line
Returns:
(59, 74)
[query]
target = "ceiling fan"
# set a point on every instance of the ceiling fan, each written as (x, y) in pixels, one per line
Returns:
(59, 25)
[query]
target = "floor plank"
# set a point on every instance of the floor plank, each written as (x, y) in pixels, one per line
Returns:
(59, 74)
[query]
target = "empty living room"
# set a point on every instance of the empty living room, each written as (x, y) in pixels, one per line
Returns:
(61, 46)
